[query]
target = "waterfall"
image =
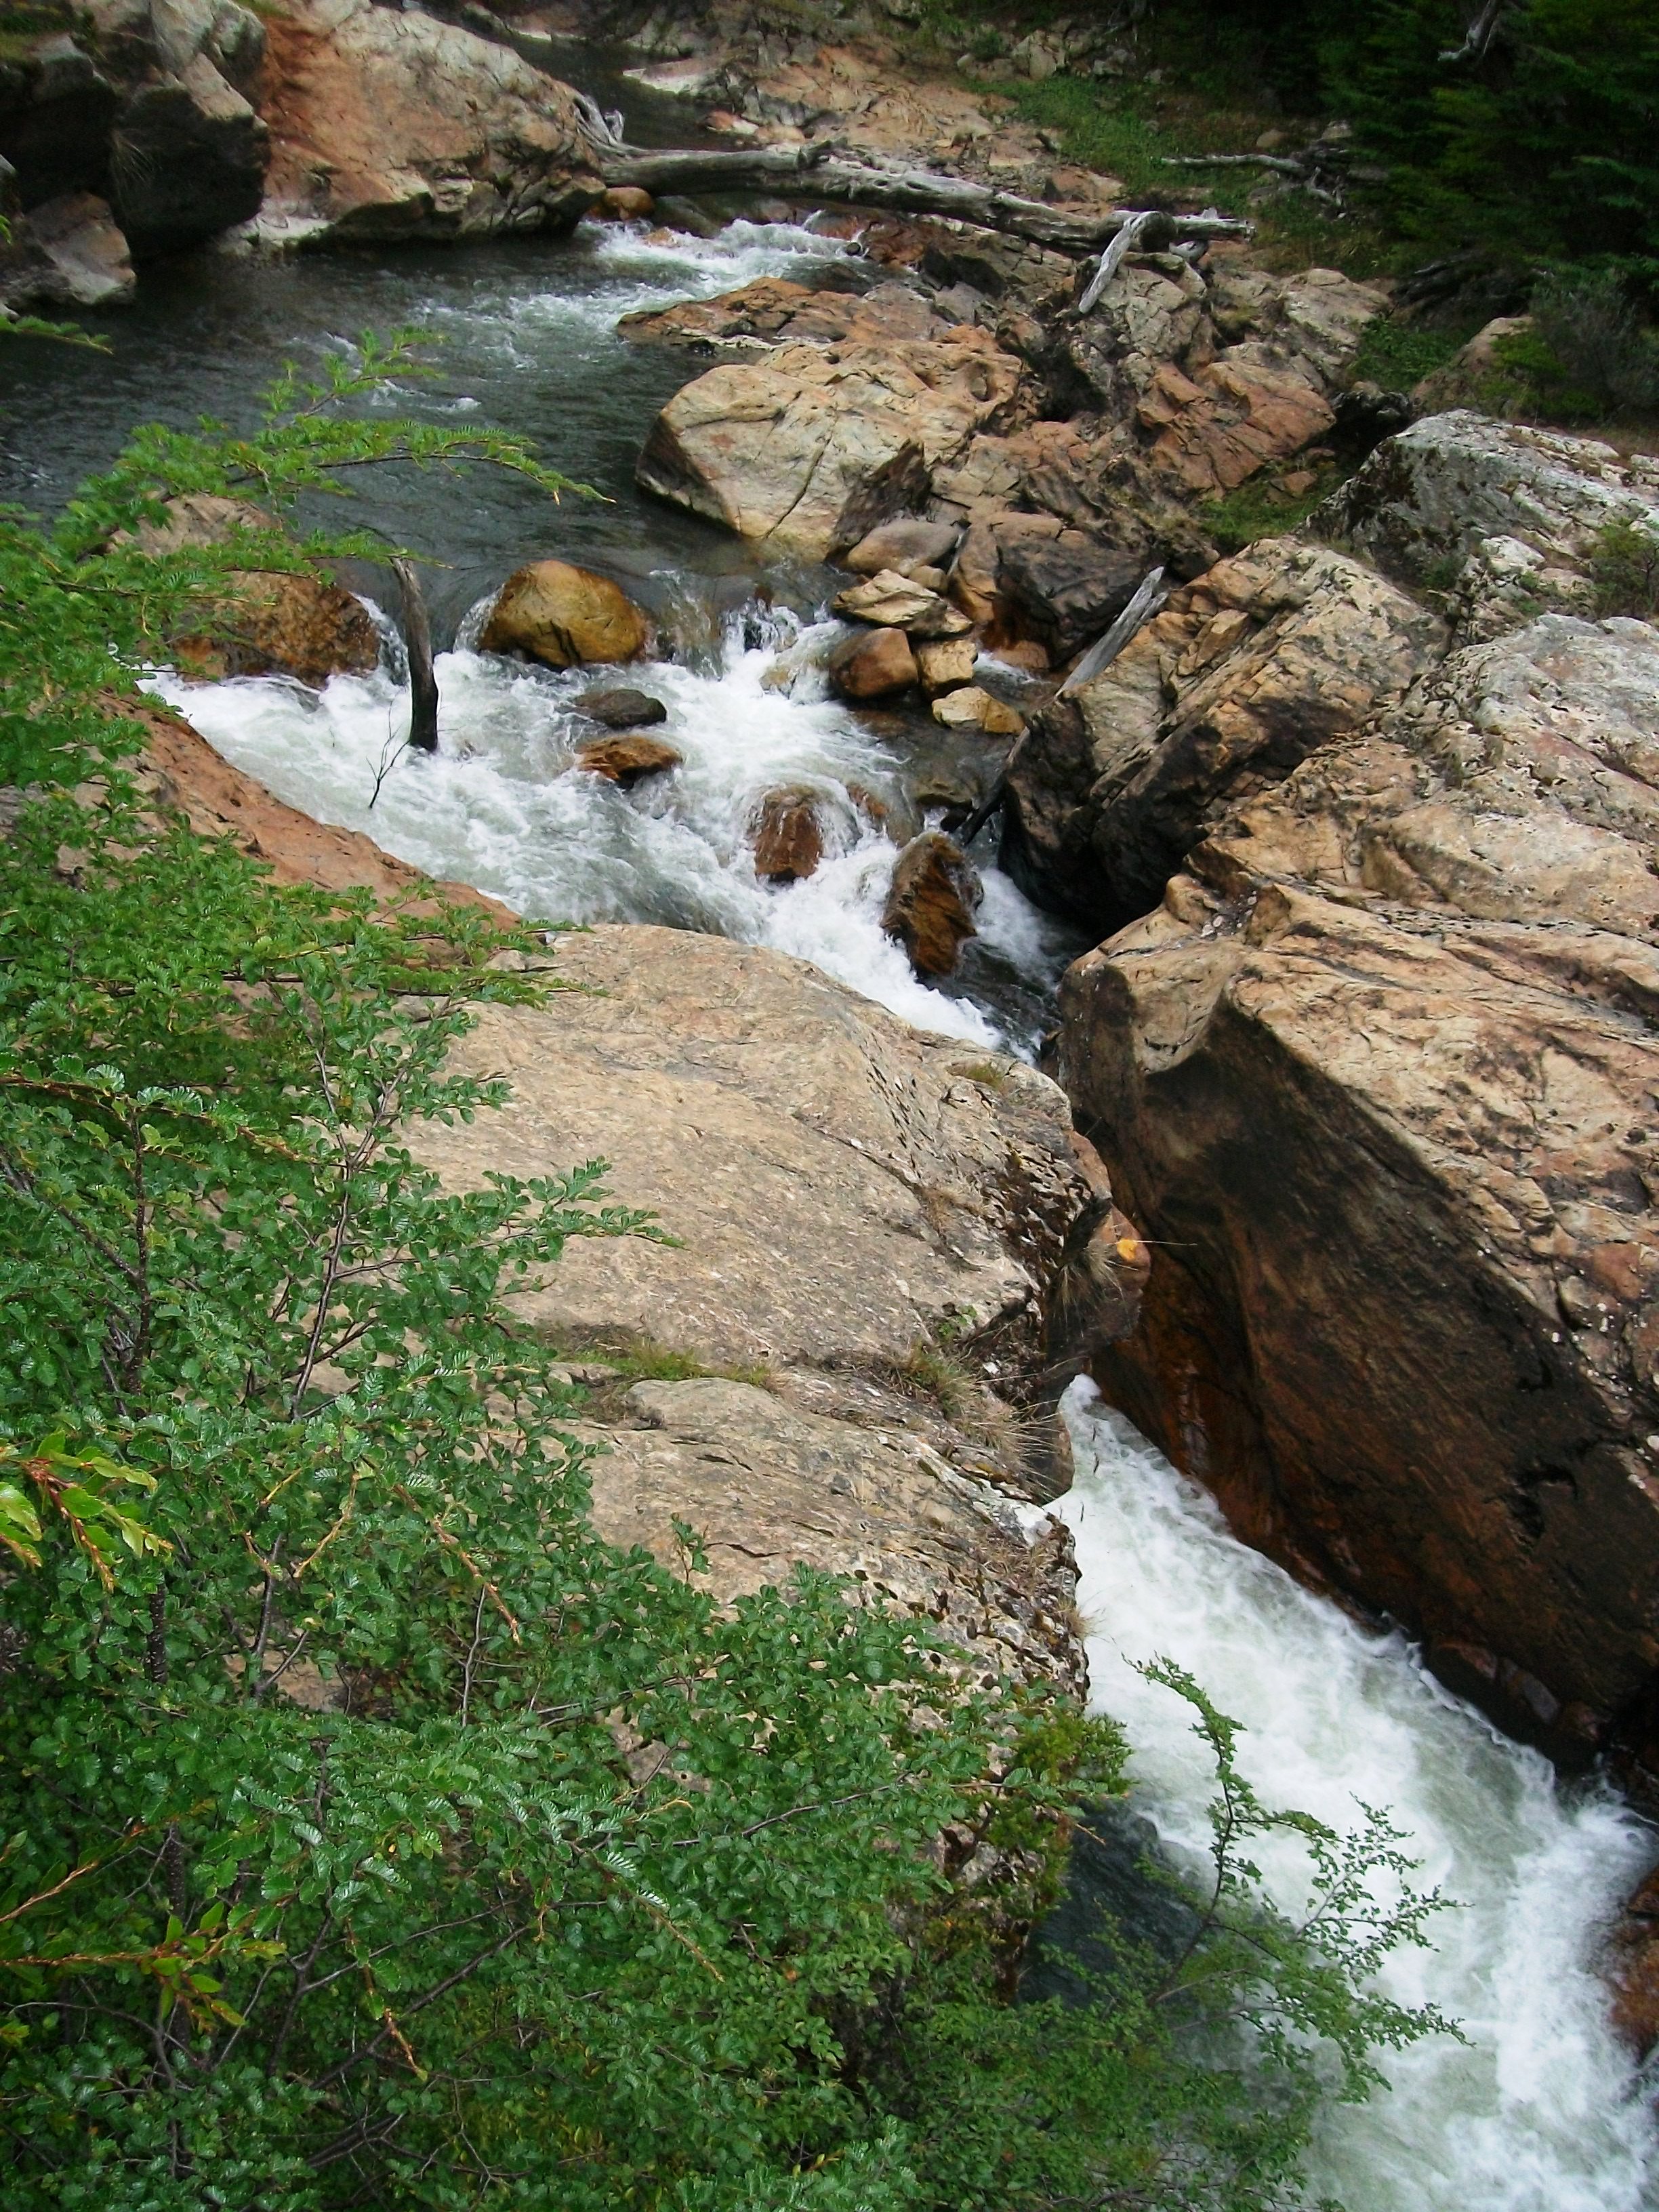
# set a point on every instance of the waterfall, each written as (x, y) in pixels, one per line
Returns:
(1541, 2111)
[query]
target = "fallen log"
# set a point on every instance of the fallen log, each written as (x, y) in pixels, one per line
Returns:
(1148, 597)
(817, 172)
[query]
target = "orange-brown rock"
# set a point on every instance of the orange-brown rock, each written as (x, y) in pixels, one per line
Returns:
(1377, 1080)
(871, 663)
(1631, 1966)
(627, 760)
(932, 902)
(1247, 671)
(623, 204)
(788, 836)
(554, 612)
(389, 126)
(272, 621)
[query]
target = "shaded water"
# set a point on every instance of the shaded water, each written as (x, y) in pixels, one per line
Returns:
(1541, 2111)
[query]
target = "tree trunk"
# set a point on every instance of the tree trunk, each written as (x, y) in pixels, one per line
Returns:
(418, 644)
(813, 173)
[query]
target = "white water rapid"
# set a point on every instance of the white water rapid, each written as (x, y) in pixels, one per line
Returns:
(1542, 2111)
(501, 806)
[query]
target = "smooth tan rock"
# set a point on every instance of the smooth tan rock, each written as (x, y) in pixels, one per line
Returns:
(972, 708)
(906, 542)
(946, 662)
(563, 615)
(788, 836)
(871, 663)
(931, 903)
(888, 599)
(809, 447)
(768, 1483)
(627, 760)
(838, 1185)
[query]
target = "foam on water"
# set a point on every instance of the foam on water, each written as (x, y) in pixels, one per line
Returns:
(1542, 2111)
(501, 806)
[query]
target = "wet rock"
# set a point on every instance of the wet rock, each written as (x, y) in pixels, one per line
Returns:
(392, 125)
(1631, 1965)
(627, 760)
(272, 622)
(623, 204)
(944, 662)
(906, 543)
(1381, 1070)
(188, 157)
(1068, 588)
(86, 254)
(972, 708)
(563, 615)
(932, 902)
(809, 447)
(621, 707)
(788, 836)
(871, 663)
(1262, 660)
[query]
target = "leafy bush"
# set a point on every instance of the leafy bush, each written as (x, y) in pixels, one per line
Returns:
(1597, 342)
(376, 1834)
(1625, 570)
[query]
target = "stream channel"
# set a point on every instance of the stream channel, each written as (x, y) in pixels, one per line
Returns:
(1540, 2112)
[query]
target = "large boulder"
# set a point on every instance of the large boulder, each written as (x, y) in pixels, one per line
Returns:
(1506, 518)
(57, 105)
(86, 257)
(841, 1187)
(394, 126)
(551, 612)
(810, 446)
(1262, 660)
(1377, 1078)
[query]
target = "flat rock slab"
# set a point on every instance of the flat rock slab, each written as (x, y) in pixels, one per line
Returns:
(767, 1484)
(840, 1184)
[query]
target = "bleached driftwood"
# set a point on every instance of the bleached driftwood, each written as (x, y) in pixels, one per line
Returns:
(818, 174)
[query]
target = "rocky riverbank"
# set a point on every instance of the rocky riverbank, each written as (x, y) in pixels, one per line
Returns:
(1364, 815)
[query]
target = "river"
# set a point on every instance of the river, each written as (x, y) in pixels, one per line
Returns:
(1541, 2113)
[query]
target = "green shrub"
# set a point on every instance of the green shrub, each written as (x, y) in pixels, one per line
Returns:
(1625, 570)
(376, 1834)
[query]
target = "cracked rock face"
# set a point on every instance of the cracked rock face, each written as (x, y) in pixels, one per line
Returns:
(390, 126)
(810, 446)
(1260, 661)
(1379, 1080)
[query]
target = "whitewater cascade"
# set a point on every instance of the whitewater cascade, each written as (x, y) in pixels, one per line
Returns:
(748, 711)
(1542, 2110)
